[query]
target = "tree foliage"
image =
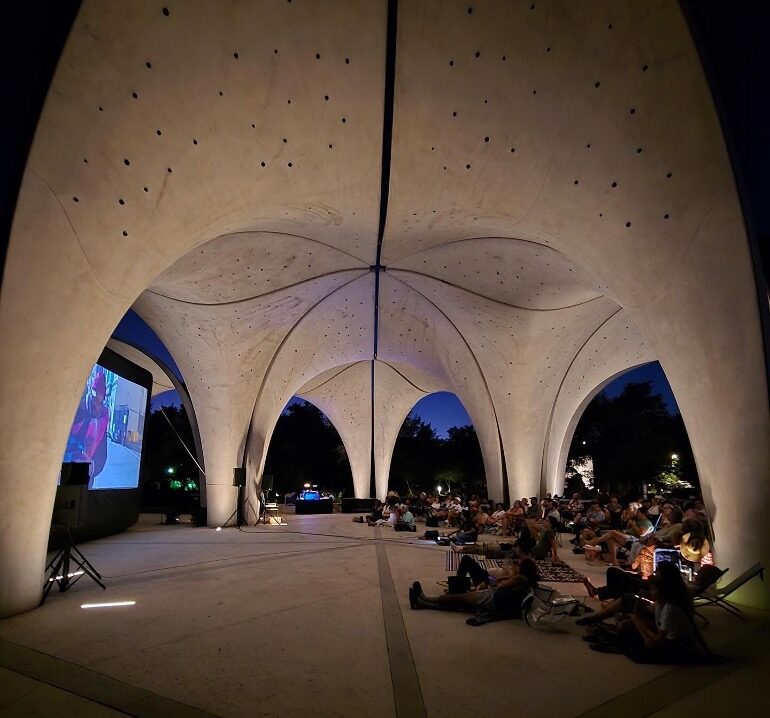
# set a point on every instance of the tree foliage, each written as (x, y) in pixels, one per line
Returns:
(421, 459)
(306, 448)
(163, 448)
(631, 439)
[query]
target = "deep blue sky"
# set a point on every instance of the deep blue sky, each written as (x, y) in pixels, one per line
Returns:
(441, 410)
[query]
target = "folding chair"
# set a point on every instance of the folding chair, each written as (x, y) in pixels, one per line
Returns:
(718, 596)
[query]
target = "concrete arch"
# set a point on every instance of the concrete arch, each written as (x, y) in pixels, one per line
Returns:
(164, 136)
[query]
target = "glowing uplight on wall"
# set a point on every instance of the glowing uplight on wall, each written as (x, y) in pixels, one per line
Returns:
(108, 604)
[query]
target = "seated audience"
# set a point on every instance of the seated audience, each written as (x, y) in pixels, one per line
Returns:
(539, 538)
(661, 630)
(501, 603)
(638, 527)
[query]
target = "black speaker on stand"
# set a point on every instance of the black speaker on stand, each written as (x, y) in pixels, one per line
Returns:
(239, 481)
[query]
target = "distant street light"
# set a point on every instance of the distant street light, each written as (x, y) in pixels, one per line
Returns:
(438, 489)
(674, 457)
(171, 470)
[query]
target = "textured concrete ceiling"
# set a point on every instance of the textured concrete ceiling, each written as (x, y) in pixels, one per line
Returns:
(545, 202)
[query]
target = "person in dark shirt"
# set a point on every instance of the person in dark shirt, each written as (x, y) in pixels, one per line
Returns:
(493, 604)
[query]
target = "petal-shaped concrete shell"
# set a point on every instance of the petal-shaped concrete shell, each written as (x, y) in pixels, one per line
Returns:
(554, 204)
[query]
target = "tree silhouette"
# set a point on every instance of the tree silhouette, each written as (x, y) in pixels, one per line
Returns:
(631, 439)
(306, 448)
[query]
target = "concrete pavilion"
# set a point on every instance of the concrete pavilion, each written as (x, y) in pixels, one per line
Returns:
(511, 201)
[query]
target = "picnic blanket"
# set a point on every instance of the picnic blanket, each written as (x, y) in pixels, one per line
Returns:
(549, 570)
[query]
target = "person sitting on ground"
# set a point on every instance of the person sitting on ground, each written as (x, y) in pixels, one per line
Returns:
(374, 514)
(499, 512)
(454, 509)
(437, 509)
(666, 636)
(485, 522)
(656, 505)
(539, 539)
(551, 509)
(638, 528)
(513, 519)
(620, 582)
(389, 514)
(615, 509)
(501, 603)
(533, 512)
(467, 533)
(574, 507)
(405, 520)
(593, 520)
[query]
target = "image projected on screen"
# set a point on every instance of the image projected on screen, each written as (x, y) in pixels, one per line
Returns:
(107, 430)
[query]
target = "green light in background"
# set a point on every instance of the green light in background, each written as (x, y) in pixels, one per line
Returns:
(175, 484)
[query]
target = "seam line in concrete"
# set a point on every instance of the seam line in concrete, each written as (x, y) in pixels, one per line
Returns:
(90, 685)
(407, 693)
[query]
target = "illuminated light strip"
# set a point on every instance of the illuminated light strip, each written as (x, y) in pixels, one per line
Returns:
(108, 605)
(69, 575)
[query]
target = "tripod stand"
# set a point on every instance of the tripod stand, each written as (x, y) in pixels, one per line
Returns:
(236, 514)
(67, 567)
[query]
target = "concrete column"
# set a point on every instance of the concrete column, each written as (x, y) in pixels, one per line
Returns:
(343, 394)
(53, 329)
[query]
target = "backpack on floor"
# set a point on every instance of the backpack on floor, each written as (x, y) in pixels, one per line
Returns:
(545, 608)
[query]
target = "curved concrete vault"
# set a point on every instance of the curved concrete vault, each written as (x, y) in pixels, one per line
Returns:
(554, 204)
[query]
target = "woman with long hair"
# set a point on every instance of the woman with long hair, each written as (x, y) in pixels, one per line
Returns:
(667, 634)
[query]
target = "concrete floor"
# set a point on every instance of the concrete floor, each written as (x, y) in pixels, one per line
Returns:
(313, 618)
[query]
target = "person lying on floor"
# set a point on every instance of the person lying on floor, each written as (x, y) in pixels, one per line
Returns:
(481, 577)
(658, 631)
(497, 604)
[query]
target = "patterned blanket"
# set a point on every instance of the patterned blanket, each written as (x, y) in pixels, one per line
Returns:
(549, 570)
